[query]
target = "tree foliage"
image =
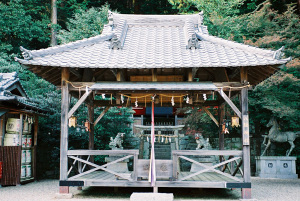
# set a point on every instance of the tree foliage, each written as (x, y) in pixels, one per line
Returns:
(84, 24)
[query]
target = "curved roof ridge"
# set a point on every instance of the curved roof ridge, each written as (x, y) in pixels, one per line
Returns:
(149, 19)
(64, 47)
(232, 44)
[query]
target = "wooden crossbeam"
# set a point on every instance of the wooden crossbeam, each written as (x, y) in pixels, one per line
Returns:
(102, 167)
(72, 167)
(79, 102)
(101, 115)
(238, 168)
(230, 103)
(208, 168)
(88, 158)
(211, 115)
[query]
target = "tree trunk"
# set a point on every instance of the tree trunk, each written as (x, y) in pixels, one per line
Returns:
(53, 22)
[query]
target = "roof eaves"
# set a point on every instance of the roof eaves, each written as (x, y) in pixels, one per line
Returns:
(231, 44)
(28, 55)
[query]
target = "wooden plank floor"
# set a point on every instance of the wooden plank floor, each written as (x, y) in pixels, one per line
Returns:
(204, 177)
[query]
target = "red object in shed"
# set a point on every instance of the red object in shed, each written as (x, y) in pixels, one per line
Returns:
(139, 111)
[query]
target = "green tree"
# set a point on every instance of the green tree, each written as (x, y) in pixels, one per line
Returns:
(84, 24)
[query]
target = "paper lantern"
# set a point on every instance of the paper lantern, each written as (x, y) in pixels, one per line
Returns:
(235, 121)
(73, 121)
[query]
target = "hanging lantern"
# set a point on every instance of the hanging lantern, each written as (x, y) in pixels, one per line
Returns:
(225, 127)
(235, 121)
(73, 121)
(87, 126)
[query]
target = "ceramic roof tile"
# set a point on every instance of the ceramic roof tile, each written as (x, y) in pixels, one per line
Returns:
(153, 42)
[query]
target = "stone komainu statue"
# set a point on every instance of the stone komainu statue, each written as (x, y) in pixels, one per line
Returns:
(116, 143)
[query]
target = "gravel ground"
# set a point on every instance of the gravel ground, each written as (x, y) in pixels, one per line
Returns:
(262, 190)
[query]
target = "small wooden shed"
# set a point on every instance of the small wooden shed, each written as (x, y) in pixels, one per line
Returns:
(161, 60)
(18, 131)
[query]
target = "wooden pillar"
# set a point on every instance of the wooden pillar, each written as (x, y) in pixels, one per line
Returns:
(141, 147)
(154, 75)
(35, 134)
(221, 119)
(246, 192)
(64, 128)
(2, 129)
(92, 129)
(190, 75)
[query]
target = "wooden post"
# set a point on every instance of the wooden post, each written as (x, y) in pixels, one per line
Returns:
(246, 192)
(141, 147)
(92, 130)
(190, 75)
(2, 129)
(35, 134)
(64, 128)
(221, 119)
(154, 75)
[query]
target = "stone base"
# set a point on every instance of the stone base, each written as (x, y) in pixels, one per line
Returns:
(63, 195)
(152, 197)
(282, 167)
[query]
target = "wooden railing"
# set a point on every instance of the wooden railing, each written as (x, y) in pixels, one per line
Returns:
(77, 156)
(229, 157)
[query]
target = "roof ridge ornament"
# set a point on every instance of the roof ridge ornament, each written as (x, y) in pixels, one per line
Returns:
(190, 34)
(26, 53)
(110, 17)
(118, 39)
(193, 43)
(201, 17)
(115, 43)
(278, 53)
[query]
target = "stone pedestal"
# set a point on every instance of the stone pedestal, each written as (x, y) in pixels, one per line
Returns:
(117, 167)
(282, 167)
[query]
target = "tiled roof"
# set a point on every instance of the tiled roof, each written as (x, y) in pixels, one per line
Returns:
(7, 82)
(153, 41)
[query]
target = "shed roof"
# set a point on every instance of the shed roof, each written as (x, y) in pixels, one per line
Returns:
(12, 92)
(152, 41)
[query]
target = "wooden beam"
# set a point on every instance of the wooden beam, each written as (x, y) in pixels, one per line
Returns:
(76, 73)
(65, 74)
(244, 74)
(190, 75)
(79, 102)
(230, 103)
(120, 76)
(194, 72)
(211, 115)
(102, 103)
(154, 74)
(101, 115)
